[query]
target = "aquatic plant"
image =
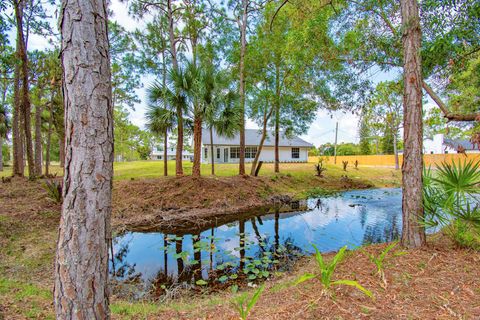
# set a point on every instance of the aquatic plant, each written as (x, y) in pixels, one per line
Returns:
(326, 271)
(243, 303)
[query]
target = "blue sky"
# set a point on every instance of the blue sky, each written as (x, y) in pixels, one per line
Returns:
(322, 129)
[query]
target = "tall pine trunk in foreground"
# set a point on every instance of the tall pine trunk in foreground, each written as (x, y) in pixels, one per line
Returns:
(81, 268)
(413, 234)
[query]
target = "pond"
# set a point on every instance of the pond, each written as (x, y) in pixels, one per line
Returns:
(261, 243)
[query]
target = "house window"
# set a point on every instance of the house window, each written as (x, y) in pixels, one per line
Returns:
(250, 152)
(218, 153)
(234, 152)
(295, 153)
(206, 153)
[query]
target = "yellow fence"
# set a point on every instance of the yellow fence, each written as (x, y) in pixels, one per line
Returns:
(389, 160)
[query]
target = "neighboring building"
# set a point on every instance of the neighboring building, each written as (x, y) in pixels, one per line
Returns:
(227, 150)
(441, 145)
(157, 153)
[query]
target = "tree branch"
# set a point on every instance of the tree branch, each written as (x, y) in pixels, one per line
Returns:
(443, 107)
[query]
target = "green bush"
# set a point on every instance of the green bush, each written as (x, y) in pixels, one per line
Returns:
(452, 203)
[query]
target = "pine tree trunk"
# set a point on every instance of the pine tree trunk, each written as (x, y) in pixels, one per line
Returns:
(211, 150)
(38, 140)
(165, 154)
(197, 145)
(179, 111)
(277, 119)
(395, 150)
(1, 153)
(18, 165)
(61, 151)
(413, 234)
(243, 49)
(25, 110)
(48, 146)
(49, 136)
(266, 117)
(81, 268)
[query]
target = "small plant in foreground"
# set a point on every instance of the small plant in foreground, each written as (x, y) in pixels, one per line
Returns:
(379, 260)
(54, 190)
(243, 304)
(326, 271)
(345, 165)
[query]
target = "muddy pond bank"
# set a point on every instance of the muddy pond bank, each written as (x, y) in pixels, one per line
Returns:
(190, 203)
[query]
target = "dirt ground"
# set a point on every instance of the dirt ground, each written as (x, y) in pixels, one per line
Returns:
(173, 202)
(436, 282)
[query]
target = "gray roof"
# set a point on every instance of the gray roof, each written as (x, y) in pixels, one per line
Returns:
(455, 143)
(252, 138)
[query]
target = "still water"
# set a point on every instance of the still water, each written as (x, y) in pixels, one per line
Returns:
(256, 246)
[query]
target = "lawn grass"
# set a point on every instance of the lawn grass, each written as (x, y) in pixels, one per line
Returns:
(377, 176)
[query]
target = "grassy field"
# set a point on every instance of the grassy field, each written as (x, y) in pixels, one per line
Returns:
(379, 177)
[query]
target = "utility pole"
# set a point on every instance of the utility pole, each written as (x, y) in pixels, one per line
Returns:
(335, 149)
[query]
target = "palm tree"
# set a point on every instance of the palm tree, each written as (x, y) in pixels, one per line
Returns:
(223, 116)
(173, 95)
(160, 121)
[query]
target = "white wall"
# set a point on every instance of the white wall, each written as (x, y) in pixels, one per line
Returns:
(436, 146)
(267, 155)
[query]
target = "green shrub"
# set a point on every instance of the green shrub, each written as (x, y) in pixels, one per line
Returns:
(54, 190)
(451, 201)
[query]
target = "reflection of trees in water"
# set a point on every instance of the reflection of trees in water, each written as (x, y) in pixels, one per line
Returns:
(363, 215)
(321, 206)
(382, 231)
(123, 269)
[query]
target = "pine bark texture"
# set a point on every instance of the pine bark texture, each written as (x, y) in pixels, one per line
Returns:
(413, 234)
(81, 267)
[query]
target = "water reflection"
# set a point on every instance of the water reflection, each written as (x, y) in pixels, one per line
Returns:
(253, 247)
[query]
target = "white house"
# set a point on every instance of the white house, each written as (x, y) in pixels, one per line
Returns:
(227, 150)
(157, 153)
(441, 145)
